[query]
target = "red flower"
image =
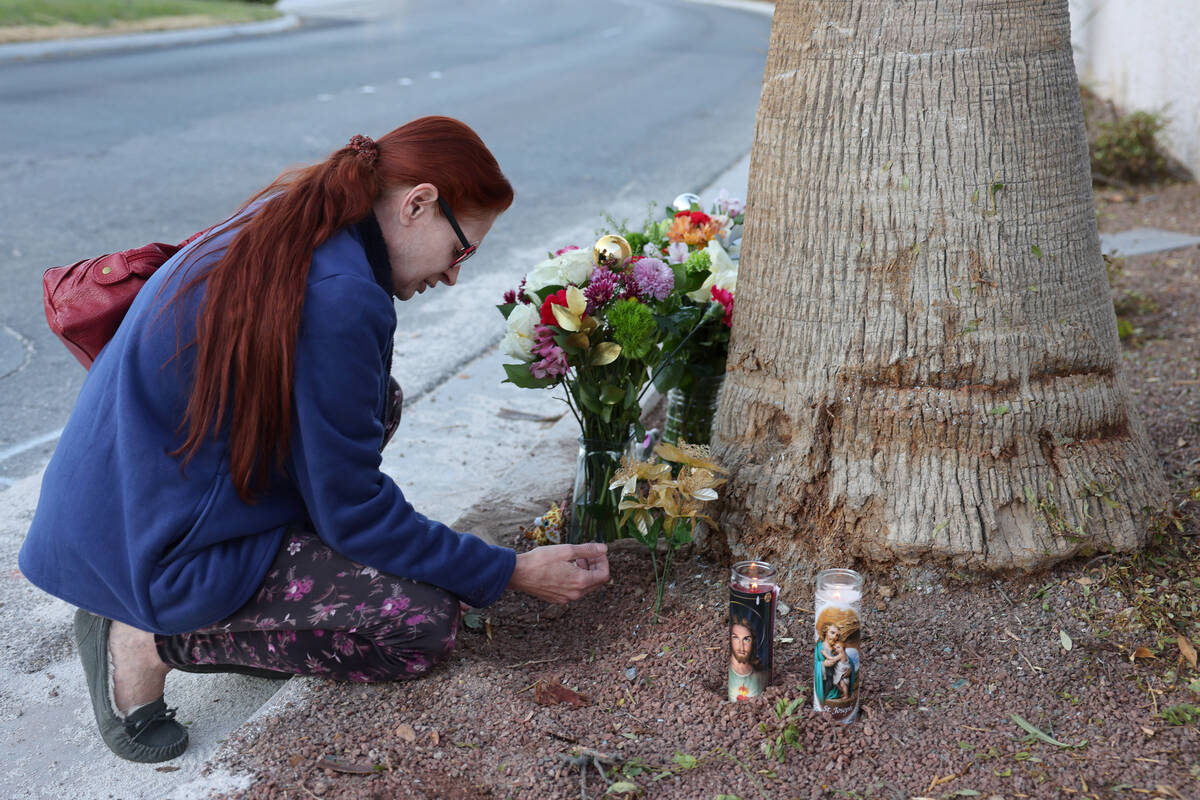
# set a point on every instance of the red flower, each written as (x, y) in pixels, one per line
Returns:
(558, 298)
(725, 298)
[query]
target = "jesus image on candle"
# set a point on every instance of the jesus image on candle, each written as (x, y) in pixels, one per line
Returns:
(746, 673)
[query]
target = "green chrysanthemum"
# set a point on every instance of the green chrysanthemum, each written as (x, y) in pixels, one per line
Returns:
(699, 261)
(633, 327)
(637, 241)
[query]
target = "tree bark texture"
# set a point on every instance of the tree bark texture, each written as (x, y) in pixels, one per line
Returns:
(925, 363)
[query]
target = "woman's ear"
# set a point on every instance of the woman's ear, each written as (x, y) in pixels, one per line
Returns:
(418, 201)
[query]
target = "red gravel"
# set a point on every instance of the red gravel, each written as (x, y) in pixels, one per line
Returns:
(948, 660)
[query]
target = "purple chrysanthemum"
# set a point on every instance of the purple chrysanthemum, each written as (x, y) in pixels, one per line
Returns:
(602, 284)
(654, 278)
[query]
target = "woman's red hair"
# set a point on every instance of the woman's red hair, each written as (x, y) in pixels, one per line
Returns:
(250, 315)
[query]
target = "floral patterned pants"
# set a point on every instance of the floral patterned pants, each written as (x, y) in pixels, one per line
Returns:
(318, 613)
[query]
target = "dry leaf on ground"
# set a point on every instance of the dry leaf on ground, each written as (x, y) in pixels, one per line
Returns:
(337, 765)
(549, 694)
(1189, 652)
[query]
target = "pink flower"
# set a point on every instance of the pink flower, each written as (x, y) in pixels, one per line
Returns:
(359, 677)
(566, 249)
(653, 278)
(417, 619)
(343, 644)
(296, 589)
(553, 363)
(393, 606)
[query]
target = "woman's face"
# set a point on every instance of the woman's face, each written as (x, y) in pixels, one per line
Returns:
(831, 635)
(421, 242)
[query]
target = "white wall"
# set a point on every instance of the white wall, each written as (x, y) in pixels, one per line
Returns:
(1144, 55)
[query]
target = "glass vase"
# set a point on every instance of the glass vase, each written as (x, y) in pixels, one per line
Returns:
(690, 413)
(594, 507)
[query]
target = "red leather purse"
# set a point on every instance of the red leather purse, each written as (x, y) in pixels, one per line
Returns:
(86, 301)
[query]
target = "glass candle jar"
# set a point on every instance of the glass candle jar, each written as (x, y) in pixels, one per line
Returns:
(837, 658)
(752, 596)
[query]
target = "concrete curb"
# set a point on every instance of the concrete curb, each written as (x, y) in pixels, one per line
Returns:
(767, 9)
(33, 51)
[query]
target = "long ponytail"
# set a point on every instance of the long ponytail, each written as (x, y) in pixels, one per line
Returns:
(250, 315)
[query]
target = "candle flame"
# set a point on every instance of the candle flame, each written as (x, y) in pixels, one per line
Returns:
(754, 586)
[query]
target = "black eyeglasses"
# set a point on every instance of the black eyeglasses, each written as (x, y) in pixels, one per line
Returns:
(468, 249)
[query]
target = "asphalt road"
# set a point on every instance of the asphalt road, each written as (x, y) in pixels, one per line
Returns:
(589, 107)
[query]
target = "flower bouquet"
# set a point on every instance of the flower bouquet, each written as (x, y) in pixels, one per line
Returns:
(662, 501)
(587, 321)
(692, 376)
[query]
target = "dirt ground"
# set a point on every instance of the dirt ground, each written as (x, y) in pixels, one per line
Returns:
(1088, 655)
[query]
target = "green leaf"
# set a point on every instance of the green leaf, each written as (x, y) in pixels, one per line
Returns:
(610, 394)
(904, 182)
(685, 761)
(519, 375)
(506, 309)
(587, 398)
(1044, 736)
(669, 376)
(999, 411)
(623, 787)
(545, 292)
(1037, 251)
(1065, 639)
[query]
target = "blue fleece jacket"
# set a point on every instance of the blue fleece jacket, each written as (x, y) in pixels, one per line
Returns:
(123, 530)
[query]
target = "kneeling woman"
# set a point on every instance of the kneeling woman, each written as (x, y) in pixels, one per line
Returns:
(216, 501)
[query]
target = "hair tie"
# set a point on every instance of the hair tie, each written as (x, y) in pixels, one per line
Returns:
(364, 148)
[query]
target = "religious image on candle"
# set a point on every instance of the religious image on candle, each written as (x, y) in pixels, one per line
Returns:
(751, 628)
(837, 663)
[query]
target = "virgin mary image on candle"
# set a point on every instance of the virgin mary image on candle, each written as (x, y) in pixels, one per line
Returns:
(747, 677)
(836, 661)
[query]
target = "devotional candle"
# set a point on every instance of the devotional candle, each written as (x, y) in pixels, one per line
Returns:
(837, 661)
(752, 594)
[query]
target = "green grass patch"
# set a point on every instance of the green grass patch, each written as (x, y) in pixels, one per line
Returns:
(103, 13)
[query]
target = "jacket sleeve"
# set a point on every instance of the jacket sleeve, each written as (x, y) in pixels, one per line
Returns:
(356, 508)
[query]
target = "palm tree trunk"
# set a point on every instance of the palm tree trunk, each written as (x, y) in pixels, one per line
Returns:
(925, 363)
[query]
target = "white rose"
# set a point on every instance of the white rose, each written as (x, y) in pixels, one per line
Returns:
(576, 266)
(573, 266)
(518, 341)
(722, 273)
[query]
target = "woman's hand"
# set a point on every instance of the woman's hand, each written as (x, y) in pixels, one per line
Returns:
(559, 573)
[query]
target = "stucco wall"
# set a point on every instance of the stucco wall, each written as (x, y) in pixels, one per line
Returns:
(1144, 55)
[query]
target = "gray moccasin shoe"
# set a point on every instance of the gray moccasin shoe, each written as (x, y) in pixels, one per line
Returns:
(149, 734)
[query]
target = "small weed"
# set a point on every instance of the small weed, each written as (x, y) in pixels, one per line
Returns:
(1182, 714)
(783, 735)
(1127, 148)
(1135, 303)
